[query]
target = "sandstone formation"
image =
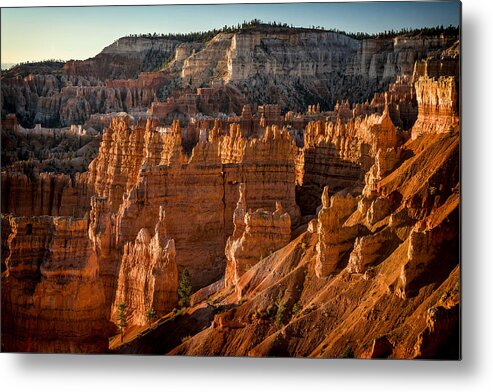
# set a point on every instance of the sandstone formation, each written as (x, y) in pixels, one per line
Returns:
(437, 85)
(261, 65)
(122, 188)
(125, 58)
(334, 239)
(376, 273)
(273, 61)
(365, 302)
(257, 234)
(148, 277)
(203, 191)
(52, 296)
(437, 103)
(339, 153)
(306, 231)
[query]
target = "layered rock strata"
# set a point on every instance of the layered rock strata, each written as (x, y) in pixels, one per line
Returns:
(338, 154)
(376, 275)
(437, 106)
(392, 291)
(437, 92)
(148, 277)
(273, 61)
(259, 65)
(376, 271)
(125, 58)
(334, 239)
(257, 234)
(52, 296)
(44, 194)
(213, 172)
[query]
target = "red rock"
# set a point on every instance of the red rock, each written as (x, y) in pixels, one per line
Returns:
(257, 234)
(148, 277)
(376, 271)
(52, 297)
(333, 238)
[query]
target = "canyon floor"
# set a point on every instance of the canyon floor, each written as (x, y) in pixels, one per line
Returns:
(265, 191)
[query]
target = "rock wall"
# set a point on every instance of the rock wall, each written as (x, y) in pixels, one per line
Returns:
(338, 154)
(437, 106)
(329, 66)
(378, 238)
(202, 191)
(257, 234)
(290, 67)
(62, 101)
(44, 194)
(148, 277)
(52, 296)
(334, 238)
(125, 58)
(376, 274)
(120, 157)
(437, 87)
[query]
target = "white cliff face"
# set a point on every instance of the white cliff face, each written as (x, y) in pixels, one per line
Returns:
(209, 63)
(140, 45)
(288, 66)
(305, 54)
(187, 49)
(267, 65)
(243, 55)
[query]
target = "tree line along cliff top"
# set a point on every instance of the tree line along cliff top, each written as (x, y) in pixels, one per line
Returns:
(277, 27)
(254, 25)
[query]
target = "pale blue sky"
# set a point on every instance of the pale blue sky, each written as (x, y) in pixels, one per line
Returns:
(81, 32)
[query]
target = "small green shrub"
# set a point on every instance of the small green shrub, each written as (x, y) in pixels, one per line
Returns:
(271, 310)
(348, 353)
(150, 314)
(280, 307)
(296, 309)
(122, 318)
(257, 314)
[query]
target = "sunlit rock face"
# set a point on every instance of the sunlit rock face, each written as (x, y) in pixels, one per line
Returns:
(257, 234)
(334, 239)
(202, 190)
(255, 66)
(148, 275)
(305, 234)
(377, 270)
(437, 86)
(339, 153)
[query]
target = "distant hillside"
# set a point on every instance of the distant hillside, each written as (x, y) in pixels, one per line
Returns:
(262, 62)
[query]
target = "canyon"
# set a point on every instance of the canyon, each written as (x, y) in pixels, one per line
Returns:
(292, 67)
(306, 181)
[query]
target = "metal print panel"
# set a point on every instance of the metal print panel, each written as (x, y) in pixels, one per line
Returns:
(268, 180)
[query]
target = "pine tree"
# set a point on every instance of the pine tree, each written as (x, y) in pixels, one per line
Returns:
(184, 289)
(122, 318)
(150, 315)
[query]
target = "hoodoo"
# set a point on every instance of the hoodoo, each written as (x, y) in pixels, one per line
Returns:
(262, 190)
